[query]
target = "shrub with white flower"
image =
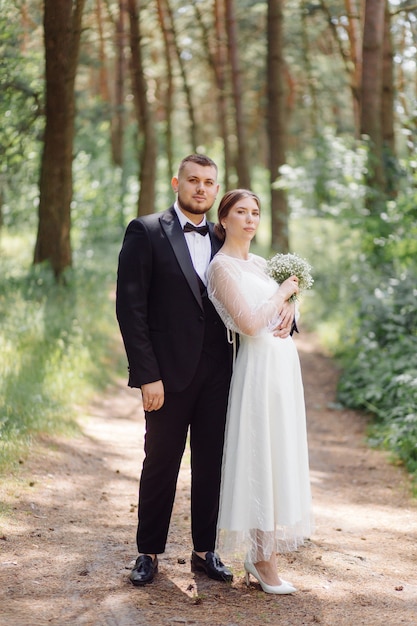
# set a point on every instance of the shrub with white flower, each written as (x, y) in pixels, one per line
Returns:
(282, 266)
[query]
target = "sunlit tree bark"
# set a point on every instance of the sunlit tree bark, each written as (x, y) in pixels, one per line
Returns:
(62, 31)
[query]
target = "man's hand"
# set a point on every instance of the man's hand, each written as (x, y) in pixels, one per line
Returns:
(286, 314)
(153, 395)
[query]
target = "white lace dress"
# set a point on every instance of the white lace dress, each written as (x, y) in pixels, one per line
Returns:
(265, 499)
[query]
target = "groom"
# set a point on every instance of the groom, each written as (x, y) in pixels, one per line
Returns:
(179, 357)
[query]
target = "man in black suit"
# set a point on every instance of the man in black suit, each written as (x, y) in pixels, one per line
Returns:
(180, 358)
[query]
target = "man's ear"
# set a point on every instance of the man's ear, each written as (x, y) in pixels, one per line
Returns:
(174, 183)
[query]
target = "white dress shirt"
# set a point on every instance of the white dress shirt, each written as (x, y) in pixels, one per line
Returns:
(199, 246)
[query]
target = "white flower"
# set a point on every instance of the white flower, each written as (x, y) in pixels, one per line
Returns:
(282, 266)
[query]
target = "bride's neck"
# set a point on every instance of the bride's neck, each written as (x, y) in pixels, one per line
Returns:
(235, 250)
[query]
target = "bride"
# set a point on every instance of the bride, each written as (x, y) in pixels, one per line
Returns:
(265, 492)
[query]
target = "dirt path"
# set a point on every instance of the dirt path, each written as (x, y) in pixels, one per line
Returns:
(67, 533)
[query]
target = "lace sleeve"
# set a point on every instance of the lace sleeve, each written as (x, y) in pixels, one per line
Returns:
(243, 308)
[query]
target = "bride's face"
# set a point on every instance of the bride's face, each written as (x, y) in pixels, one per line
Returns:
(242, 220)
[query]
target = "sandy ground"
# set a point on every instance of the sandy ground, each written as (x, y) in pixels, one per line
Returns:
(68, 522)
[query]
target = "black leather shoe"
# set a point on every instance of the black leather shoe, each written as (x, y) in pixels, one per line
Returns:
(212, 566)
(144, 570)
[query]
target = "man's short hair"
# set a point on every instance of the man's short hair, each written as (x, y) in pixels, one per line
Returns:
(200, 159)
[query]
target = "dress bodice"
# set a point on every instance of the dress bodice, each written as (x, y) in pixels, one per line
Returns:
(242, 293)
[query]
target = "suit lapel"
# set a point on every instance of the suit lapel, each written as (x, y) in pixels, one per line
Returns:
(172, 228)
(216, 244)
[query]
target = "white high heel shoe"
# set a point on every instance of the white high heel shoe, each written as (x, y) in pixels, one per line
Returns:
(283, 588)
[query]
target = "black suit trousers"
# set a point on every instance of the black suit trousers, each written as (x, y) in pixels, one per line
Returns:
(201, 411)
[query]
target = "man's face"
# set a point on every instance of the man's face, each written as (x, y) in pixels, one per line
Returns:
(197, 188)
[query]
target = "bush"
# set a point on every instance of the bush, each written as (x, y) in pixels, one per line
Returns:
(57, 342)
(364, 296)
(380, 364)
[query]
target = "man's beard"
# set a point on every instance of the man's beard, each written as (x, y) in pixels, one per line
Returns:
(191, 209)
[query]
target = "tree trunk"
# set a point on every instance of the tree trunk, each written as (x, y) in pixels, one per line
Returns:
(387, 109)
(276, 124)
(371, 100)
(103, 80)
(220, 64)
(242, 160)
(187, 88)
(217, 57)
(147, 174)
(313, 107)
(352, 59)
(118, 116)
(62, 31)
(169, 93)
(355, 40)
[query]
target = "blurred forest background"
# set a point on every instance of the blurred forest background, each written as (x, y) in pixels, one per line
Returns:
(311, 103)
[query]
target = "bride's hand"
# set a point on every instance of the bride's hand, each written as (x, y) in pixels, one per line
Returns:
(289, 287)
(286, 315)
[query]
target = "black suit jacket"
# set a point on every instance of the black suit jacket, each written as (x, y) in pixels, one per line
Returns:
(158, 302)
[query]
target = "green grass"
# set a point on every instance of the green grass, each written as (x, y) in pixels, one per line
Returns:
(56, 341)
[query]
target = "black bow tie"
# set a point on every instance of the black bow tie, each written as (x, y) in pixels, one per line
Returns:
(203, 230)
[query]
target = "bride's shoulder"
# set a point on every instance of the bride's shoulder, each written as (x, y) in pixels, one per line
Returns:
(259, 260)
(223, 265)
(219, 259)
(220, 262)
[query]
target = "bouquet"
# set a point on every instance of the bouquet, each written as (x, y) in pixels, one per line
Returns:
(282, 266)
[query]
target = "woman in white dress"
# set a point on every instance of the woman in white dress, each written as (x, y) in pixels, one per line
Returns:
(265, 496)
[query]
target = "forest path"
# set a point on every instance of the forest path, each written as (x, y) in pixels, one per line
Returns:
(68, 522)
